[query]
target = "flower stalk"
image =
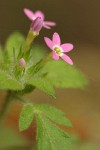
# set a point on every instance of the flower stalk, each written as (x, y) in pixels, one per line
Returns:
(42, 63)
(8, 99)
(35, 28)
(30, 37)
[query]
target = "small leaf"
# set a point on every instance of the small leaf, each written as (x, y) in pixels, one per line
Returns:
(43, 85)
(26, 117)
(20, 53)
(27, 55)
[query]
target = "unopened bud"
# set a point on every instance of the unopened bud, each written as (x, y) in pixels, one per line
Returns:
(22, 63)
(36, 25)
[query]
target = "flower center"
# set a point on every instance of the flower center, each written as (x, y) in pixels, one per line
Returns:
(58, 50)
(33, 18)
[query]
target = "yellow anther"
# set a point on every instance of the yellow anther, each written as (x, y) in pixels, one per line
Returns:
(58, 50)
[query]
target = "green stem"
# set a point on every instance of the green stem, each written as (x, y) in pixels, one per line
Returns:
(6, 104)
(30, 37)
(42, 63)
(20, 99)
(46, 59)
(9, 97)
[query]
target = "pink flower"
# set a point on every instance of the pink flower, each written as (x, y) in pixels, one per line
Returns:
(36, 25)
(58, 48)
(33, 15)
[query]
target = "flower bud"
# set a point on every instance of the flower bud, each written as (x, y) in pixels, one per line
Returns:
(37, 25)
(22, 63)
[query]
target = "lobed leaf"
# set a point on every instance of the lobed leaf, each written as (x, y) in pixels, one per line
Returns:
(49, 135)
(26, 117)
(62, 75)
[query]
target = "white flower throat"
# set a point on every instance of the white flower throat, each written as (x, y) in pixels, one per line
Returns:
(58, 50)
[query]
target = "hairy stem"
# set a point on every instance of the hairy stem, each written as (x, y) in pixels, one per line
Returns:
(9, 97)
(41, 63)
(20, 99)
(7, 101)
(30, 37)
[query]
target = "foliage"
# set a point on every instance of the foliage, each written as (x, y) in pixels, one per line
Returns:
(49, 135)
(45, 78)
(43, 73)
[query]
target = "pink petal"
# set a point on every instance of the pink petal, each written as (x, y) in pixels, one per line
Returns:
(56, 39)
(39, 14)
(67, 47)
(55, 56)
(49, 23)
(29, 13)
(48, 42)
(67, 59)
(46, 26)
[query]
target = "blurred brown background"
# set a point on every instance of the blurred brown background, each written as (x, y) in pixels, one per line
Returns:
(78, 22)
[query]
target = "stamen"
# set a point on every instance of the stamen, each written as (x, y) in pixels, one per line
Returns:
(58, 50)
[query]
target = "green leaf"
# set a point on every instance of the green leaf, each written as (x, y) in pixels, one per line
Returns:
(14, 42)
(9, 82)
(54, 114)
(62, 75)
(10, 139)
(51, 137)
(43, 85)
(26, 117)
(57, 74)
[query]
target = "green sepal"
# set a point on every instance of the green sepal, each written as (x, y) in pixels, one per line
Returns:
(14, 41)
